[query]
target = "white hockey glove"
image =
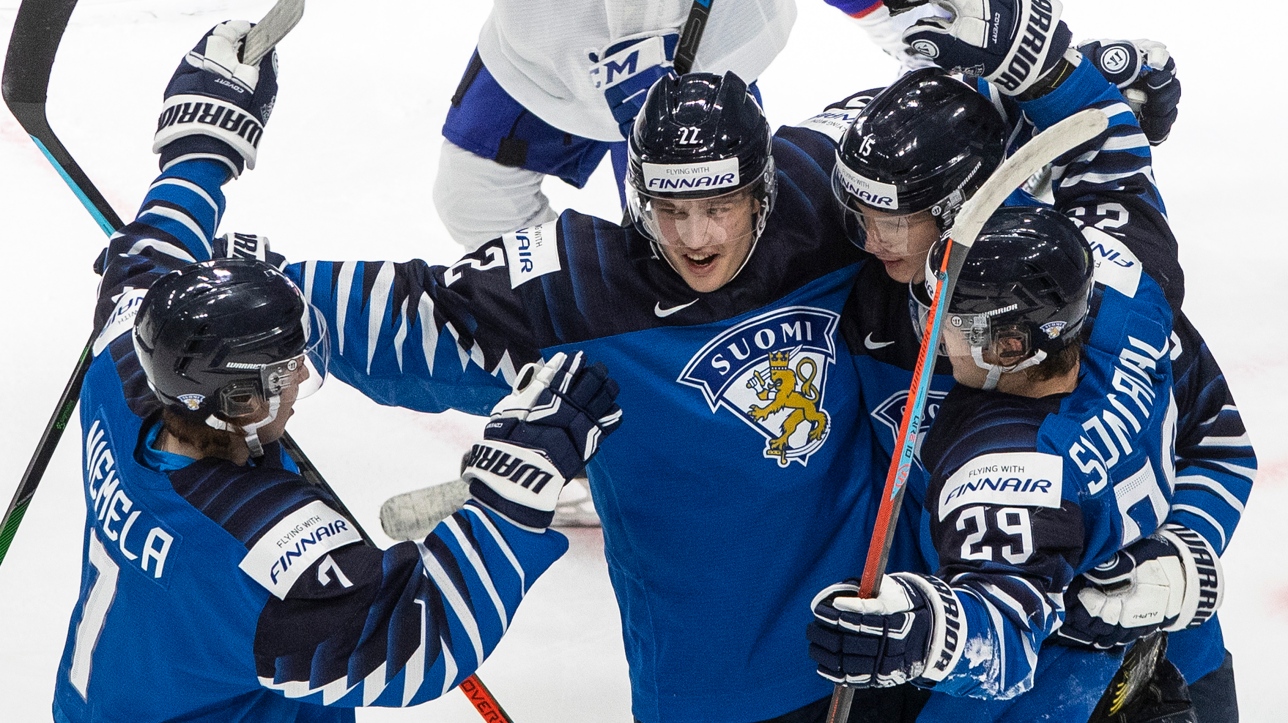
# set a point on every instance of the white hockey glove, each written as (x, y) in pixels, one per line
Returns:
(540, 436)
(216, 106)
(913, 630)
(1011, 43)
(1171, 580)
(1145, 72)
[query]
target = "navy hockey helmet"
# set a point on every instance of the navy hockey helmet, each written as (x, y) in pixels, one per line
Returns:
(1024, 289)
(699, 135)
(926, 142)
(223, 339)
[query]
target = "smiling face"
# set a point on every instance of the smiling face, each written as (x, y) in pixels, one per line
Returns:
(706, 240)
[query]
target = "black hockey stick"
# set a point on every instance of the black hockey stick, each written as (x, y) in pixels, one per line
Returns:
(691, 35)
(37, 32)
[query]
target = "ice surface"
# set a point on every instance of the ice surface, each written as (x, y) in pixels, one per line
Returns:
(345, 171)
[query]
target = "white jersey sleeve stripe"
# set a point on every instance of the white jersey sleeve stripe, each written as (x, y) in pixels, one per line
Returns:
(480, 569)
(487, 524)
(1207, 483)
(453, 598)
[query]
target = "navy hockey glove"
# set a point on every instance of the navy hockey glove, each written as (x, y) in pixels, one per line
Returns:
(1011, 43)
(1146, 74)
(216, 106)
(1171, 580)
(246, 246)
(540, 436)
(627, 69)
(897, 7)
(913, 630)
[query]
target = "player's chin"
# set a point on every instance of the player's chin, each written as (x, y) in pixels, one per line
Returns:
(901, 269)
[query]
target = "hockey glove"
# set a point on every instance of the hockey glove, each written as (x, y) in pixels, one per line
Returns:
(1011, 43)
(627, 69)
(540, 436)
(1146, 74)
(1171, 580)
(215, 106)
(913, 630)
(247, 246)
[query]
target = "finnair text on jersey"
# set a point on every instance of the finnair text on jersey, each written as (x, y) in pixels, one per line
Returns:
(299, 539)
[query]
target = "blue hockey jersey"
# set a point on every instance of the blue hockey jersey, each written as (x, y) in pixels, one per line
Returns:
(1107, 187)
(212, 591)
(731, 479)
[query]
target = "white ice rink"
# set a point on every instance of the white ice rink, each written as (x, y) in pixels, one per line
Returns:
(345, 171)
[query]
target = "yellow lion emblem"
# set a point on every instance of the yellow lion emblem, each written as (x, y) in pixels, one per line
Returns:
(782, 388)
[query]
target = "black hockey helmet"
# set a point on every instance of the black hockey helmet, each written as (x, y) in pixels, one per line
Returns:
(926, 142)
(1024, 289)
(221, 338)
(698, 135)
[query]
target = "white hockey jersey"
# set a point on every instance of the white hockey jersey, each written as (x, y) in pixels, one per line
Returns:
(540, 51)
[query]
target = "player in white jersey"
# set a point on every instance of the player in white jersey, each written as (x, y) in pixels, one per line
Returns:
(555, 85)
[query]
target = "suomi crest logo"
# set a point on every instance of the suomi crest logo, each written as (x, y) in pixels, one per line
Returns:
(771, 371)
(890, 414)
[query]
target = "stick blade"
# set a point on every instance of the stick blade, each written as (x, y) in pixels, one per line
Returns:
(411, 515)
(1044, 148)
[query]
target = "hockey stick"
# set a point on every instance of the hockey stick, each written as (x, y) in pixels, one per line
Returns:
(1029, 159)
(691, 35)
(37, 31)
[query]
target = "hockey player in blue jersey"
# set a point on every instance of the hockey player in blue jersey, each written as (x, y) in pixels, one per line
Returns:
(217, 584)
(717, 313)
(1009, 517)
(957, 139)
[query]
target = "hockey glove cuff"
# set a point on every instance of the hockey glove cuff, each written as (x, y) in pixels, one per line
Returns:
(1011, 43)
(518, 483)
(1204, 577)
(913, 631)
(541, 435)
(216, 106)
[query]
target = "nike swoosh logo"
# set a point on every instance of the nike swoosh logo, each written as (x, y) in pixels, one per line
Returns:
(663, 313)
(874, 345)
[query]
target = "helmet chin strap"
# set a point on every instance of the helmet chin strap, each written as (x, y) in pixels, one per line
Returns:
(995, 371)
(250, 432)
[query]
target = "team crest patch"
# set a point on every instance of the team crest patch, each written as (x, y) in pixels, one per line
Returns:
(771, 371)
(890, 412)
(192, 401)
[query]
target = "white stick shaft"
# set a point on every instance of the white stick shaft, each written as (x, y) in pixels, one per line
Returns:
(269, 32)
